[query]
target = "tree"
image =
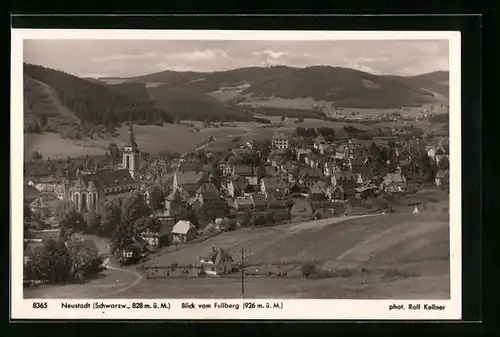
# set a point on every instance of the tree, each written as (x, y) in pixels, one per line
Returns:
(27, 213)
(110, 218)
(133, 208)
(55, 261)
(36, 155)
(63, 207)
(147, 224)
(157, 196)
(94, 223)
(72, 222)
(43, 120)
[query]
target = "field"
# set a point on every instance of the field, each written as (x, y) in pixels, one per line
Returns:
(389, 256)
(151, 138)
(328, 107)
(181, 138)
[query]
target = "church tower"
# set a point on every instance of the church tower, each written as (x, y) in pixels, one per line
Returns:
(131, 154)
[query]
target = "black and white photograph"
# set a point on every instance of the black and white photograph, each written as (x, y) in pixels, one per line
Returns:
(218, 167)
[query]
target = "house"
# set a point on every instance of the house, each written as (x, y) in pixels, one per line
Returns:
(317, 191)
(280, 140)
(335, 193)
(248, 172)
(237, 186)
(259, 201)
(227, 169)
(218, 262)
(30, 193)
(394, 182)
(243, 203)
(297, 189)
(319, 143)
(302, 153)
(273, 186)
(442, 178)
(183, 231)
(302, 210)
(347, 179)
(311, 160)
(309, 177)
(345, 151)
(366, 191)
(189, 181)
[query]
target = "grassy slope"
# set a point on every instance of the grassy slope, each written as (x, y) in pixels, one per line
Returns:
(403, 255)
(190, 104)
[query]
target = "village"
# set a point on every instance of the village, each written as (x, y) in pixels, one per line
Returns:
(137, 206)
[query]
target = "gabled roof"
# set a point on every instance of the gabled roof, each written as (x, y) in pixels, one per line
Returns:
(394, 177)
(302, 207)
(105, 178)
(30, 193)
(312, 173)
(188, 177)
(320, 140)
(274, 183)
(244, 170)
(183, 227)
(218, 255)
(242, 201)
(258, 199)
(345, 175)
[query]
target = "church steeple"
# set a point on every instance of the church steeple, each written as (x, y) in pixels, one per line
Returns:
(131, 139)
(131, 153)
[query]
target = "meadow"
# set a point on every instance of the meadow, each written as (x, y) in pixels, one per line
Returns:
(398, 255)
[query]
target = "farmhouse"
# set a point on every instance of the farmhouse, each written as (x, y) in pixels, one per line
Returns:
(218, 262)
(183, 231)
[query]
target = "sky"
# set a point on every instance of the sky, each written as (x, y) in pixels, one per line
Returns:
(128, 58)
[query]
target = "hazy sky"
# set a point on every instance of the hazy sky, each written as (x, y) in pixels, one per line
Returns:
(122, 58)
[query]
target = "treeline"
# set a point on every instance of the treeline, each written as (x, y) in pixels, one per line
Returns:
(95, 103)
(290, 113)
(328, 133)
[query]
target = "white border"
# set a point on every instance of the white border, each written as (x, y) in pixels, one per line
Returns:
(292, 309)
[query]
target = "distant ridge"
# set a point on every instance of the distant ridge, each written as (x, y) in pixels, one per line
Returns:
(345, 86)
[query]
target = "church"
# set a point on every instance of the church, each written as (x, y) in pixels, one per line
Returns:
(92, 189)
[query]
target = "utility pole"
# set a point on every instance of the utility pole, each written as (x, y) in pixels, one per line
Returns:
(242, 274)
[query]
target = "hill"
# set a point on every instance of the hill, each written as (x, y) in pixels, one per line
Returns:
(192, 105)
(47, 90)
(342, 86)
(435, 82)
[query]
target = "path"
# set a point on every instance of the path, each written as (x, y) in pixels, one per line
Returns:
(110, 283)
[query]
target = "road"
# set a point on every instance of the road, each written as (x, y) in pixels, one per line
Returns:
(110, 283)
